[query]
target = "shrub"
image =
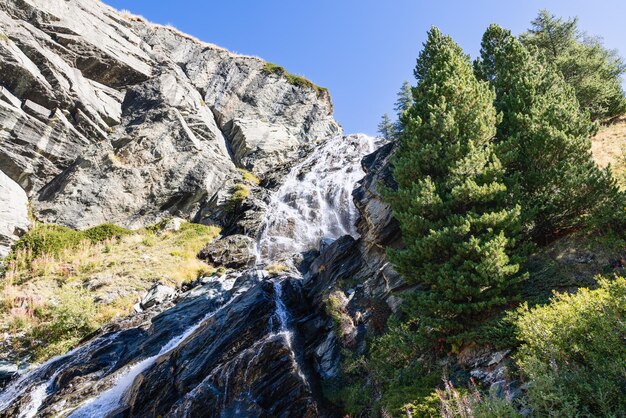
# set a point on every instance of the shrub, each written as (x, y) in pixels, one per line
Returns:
(48, 239)
(296, 80)
(106, 232)
(240, 192)
(51, 240)
(573, 352)
(461, 403)
(67, 319)
(249, 177)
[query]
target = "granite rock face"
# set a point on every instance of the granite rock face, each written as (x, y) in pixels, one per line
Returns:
(105, 117)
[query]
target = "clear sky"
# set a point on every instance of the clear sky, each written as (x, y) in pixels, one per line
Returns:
(362, 50)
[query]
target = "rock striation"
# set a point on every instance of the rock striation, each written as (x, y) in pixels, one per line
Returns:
(105, 117)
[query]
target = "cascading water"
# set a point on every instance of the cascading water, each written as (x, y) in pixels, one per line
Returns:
(315, 200)
(314, 203)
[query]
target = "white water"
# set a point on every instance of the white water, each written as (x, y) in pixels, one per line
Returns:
(38, 394)
(315, 200)
(110, 399)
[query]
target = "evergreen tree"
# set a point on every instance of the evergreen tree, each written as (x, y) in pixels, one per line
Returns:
(405, 98)
(593, 71)
(403, 102)
(459, 235)
(543, 139)
(386, 128)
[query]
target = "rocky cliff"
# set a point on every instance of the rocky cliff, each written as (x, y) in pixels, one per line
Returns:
(105, 117)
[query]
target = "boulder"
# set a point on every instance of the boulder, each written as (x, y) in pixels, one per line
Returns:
(173, 224)
(157, 295)
(233, 251)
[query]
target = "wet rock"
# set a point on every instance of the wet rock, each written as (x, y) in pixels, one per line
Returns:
(377, 227)
(7, 372)
(233, 251)
(157, 295)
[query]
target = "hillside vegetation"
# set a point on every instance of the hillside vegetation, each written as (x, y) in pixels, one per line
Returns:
(501, 202)
(60, 284)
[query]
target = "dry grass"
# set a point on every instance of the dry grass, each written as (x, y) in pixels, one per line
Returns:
(608, 147)
(105, 279)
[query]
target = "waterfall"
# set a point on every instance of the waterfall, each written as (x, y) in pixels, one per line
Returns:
(315, 200)
(313, 203)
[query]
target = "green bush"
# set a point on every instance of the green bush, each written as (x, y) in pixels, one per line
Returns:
(105, 232)
(573, 352)
(71, 316)
(48, 239)
(296, 80)
(457, 224)
(52, 239)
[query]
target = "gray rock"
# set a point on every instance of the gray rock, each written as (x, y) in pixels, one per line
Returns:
(173, 224)
(147, 123)
(157, 295)
(13, 213)
(233, 251)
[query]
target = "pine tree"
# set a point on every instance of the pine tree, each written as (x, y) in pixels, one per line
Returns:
(459, 235)
(403, 102)
(594, 71)
(405, 98)
(386, 128)
(543, 139)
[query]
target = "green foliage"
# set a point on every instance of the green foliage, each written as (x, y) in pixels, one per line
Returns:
(51, 239)
(404, 99)
(593, 71)
(462, 403)
(105, 232)
(239, 193)
(296, 80)
(457, 226)
(249, 177)
(192, 231)
(48, 239)
(386, 128)
(69, 318)
(543, 142)
(573, 352)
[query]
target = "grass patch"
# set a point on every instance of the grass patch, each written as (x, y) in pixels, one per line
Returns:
(61, 285)
(4, 38)
(296, 80)
(249, 177)
(609, 146)
(276, 268)
(239, 193)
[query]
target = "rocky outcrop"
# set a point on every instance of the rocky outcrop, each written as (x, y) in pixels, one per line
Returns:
(13, 213)
(233, 251)
(232, 347)
(105, 117)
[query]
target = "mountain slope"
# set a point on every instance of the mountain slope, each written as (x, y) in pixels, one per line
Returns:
(108, 118)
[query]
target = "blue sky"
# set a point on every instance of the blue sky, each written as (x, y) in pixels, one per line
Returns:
(362, 50)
